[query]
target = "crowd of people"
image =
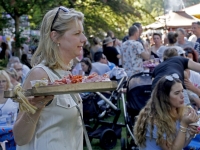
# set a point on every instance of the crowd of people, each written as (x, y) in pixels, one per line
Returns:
(163, 123)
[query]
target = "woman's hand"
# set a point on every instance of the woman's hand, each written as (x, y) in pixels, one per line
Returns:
(40, 101)
(193, 130)
(189, 117)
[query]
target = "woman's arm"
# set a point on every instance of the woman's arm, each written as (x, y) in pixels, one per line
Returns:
(24, 127)
(178, 144)
(192, 130)
(180, 140)
(193, 65)
(189, 84)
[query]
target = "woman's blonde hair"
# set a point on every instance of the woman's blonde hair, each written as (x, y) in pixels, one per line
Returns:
(47, 49)
(158, 112)
(9, 84)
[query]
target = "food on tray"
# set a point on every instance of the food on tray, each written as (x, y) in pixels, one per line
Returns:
(94, 77)
(23, 101)
(149, 64)
(37, 83)
(19, 93)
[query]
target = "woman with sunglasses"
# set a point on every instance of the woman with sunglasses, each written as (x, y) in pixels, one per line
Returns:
(56, 125)
(164, 123)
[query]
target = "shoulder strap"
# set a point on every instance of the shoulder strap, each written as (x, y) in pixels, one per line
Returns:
(56, 73)
(84, 129)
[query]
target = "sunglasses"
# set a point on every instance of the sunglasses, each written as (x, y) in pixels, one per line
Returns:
(56, 16)
(171, 77)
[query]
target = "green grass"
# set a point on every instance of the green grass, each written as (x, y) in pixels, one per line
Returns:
(95, 142)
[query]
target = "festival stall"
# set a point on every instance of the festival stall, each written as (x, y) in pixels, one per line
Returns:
(193, 10)
(175, 19)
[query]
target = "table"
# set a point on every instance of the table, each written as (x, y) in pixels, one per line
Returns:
(7, 134)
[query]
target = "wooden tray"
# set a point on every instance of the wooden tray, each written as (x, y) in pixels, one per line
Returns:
(66, 88)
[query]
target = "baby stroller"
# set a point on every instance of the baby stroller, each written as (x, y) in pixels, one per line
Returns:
(137, 94)
(106, 132)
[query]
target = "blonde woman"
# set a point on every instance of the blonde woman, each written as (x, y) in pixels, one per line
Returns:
(57, 126)
(7, 106)
(164, 122)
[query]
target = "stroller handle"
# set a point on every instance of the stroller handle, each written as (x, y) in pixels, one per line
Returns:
(107, 101)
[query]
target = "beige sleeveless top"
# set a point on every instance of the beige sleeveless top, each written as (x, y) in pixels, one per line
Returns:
(59, 126)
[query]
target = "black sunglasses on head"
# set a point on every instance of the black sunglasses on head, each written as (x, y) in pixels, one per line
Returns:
(56, 16)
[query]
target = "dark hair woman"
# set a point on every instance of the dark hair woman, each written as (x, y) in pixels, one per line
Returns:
(172, 39)
(86, 65)
(191, 54)
(25, 61)
(164, 122)
(4, 54)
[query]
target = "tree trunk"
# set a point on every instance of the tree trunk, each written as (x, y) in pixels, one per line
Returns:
(17, 36)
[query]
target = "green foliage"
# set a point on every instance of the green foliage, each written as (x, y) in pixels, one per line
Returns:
(17, 8)
(3, 63)
(149, 9)
(20, 39)
(40, 8)
(100, 15)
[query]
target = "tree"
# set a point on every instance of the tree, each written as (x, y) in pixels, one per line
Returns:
(17, 8)
(100, 15)
(104, 15)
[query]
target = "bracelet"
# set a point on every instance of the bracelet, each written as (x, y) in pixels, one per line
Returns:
(183, 127)
(183, 131)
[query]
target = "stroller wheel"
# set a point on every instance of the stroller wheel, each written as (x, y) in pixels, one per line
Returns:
(123, 144)
(108, 139)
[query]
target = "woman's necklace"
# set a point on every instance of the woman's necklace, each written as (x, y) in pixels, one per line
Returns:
(1, 108)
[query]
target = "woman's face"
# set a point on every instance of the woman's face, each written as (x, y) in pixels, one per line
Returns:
(157, 39)
(3, 83)
(180, 36)
(104, 59)
(176, 95)
(71, 43)
(190, 56)
(84, 67)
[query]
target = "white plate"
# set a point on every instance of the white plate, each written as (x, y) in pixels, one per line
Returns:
(196, 124)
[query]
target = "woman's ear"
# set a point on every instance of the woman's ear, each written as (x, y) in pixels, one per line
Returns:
(53, 36)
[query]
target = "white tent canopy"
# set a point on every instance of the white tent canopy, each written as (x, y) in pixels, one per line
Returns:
(174, 19)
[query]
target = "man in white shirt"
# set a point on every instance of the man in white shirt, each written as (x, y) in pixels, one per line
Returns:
(181, 41)
(98, 66)
(133, 53)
